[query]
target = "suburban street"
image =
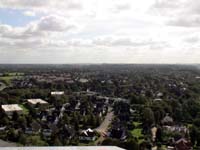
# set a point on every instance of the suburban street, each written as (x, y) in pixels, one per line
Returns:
(104, 126)
(2, 86)
(7, 144)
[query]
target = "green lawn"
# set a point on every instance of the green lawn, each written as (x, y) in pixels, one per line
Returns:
(7, 79)
(137, 124)
(25, 110)
(15, 74)
(137, 132)
(189, 125)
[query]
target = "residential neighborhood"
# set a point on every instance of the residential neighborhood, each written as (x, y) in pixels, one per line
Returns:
(128, 107)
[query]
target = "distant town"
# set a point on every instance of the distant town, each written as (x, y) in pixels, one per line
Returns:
(135, 107)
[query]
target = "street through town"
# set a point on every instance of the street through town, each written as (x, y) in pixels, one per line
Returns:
(103, 128)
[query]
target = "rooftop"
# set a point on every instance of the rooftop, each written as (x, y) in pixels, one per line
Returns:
(57, 93)
(11, 107)
(36, 101)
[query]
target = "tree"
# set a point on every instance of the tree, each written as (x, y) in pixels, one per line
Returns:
(148, 116)
(197, 122)
(110, 141)
(65, 119)
(98, 121)
(57, 142)
(22, 139)
(159, 134)
(15, 116)
(131, 144)
(22, 121)
(12, 135)
(193, 134)
(36, 141)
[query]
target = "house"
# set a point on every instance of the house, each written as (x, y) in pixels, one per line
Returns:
(83, 80)
(33, 129)
(157, 100)
(159, 94)
(11, 108)
(183, 144)
(167, 120)
(3, 128)
(47, 132)
(57, 93)
(153, 133)
(87, 135)
(77, 107)
(68, 132)
(30, 131)
(170, 148)
(35, 102)
(180, 129)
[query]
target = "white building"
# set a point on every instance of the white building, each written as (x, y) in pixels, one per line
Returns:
(11, 108)
(55, 93)
(83, 80)
(34, 102)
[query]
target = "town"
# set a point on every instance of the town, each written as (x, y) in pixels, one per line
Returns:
(135, 107)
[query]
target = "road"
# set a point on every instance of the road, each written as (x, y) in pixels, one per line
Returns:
(2, 86)
(103, 128)
(7, 144)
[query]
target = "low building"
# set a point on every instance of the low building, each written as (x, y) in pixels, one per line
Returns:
(183, 144)
(167, 120)
(35, 102)
(83, 80)
(11, 108)
(31, 131)
(57, 93)
(47, 132)
(180, 129)
(87, 135)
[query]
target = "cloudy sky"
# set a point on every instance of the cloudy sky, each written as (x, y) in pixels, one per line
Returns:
(99, 31)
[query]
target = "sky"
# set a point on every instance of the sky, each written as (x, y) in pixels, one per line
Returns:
(99, 31)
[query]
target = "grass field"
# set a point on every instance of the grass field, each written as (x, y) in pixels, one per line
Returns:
(7, 79)
(137, 124)
(10, 76)
(14, 74)
(25, 110)
(137, 132)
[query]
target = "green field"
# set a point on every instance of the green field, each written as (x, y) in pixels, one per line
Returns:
(8, 77)
(25, 110)
(137, 132)
(14, 74)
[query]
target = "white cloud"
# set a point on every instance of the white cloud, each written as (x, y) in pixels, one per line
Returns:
(54, 23)
(185, 21)
(103, 31)
(125, 42)
(192, 39)
(43, 27)
(184, 13)
(29, 13)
